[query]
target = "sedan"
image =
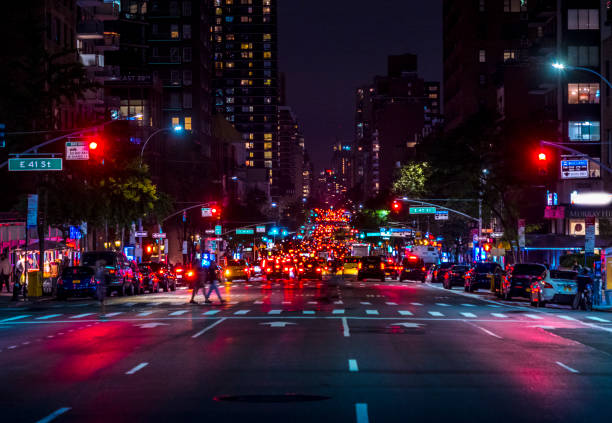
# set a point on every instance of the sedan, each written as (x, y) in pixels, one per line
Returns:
(555, 287)
(455, 276)
(518, 282)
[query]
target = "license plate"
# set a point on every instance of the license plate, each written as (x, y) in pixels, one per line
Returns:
(76, 281)
(371, 267)
(567, 288)
(179, 276)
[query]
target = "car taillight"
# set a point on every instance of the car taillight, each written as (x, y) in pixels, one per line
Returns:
(547, 285)
(161, 272)
(246, 269)
(423, 269)
(227, 272)
(318, 269)
(179, 270)
(382, 266)
(111, 271)
(189, 273)
(300, 269)
(268, 270)
(359, 267)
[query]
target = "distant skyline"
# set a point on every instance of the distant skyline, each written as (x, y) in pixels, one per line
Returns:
(328, 50)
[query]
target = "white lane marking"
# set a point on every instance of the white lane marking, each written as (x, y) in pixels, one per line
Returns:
(257, 302)
(468, 314)
(391, 303)
(338, 302)
(48, 316)
(345, 327)
(493, 305)
(135, 369)
(500, 315)
(12, 347)
(8, 319)
(129, 304)
(211, 312)
(533, 316)
(53, 415)
(178, 312)
(207, 328)
(144, 313)
(286, 302)
(416, 304)
(405, 312)
(308, 312)
(597, 319)
(366, 303)
(312, 302)
(78, 316)
(568, 368)
(275, 311)
(488, 332)
(240, 312)
(562, 316)
(442, 305)
(152, 304)
(361, 410)
(371, 311)
(353, 367)
(112, 314)
(436, 313)
(338, 311)
(468, 305)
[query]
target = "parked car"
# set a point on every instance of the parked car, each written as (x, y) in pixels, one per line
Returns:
(556, 286)
(440, 271)
(481, 275)
(518, 282)
(455, 276)
(413, 268)
(237, 269)
(351, 267)
(371, 267)
(118, 274)
(167, 281)
(151, 280)
(310, 269)
(78, 281)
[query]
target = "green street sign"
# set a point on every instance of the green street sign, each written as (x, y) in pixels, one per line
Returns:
(245, 231)
(28, 164)
(422, 210)
(218, 230)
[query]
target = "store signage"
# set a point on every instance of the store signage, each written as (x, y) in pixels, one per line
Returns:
(554, 212)
(32, 210)
(573, 169)
(209, 231)
(29, 164)
(141, 234)
(159, 235)
(77, 150)
(422, 210)
(75, 232)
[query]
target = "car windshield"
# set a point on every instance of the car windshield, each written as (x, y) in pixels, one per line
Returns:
(563, 274)
(485, 267)
(90, 258)
(446, 265)
(236, 263)
(77, 272)
(528, 269)
(459, 268)
(371, 260)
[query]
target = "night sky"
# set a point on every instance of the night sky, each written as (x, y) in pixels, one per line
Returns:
(327, 49)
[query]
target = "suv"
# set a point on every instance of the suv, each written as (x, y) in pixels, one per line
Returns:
(413, 268)
(518, 283)
(481, 275)
(165, 276)
(372, 267)
(118, 275)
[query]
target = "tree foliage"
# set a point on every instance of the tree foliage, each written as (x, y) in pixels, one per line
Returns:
(411, 179)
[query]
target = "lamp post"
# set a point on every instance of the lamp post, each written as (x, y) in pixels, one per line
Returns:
(561, 66)
(177, 128)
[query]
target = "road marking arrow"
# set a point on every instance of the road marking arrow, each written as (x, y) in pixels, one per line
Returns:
(407, 325)
(277, 324)
(151, 325)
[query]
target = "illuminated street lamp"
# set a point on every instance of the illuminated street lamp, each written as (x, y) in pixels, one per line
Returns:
(562, 66)
(176, 128)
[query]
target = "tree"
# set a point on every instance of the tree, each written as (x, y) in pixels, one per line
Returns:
(411, 179)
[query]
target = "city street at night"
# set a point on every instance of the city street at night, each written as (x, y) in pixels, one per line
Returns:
(329, 351)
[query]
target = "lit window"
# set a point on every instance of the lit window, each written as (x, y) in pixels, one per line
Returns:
(218, 11)
(482, 56)
(249, 145)
(229, 100)
(433, 95)
(267, 146)
(251, 154)
(267, 82)
(267, 137)
(266, 10)
(230, 37)
(510, 55)
(582, 19)
(229, 65)
(174, 32)
(267, 55)
(188, 123)
(583, 93)
(267, 2)
(175, 121)
(249, 163)
(246, 19)
(513, 6)
(267, 155)
(244, 82)
(268, 163)
(251, 136)
(267, 37)
(229, 19)
(583, 131)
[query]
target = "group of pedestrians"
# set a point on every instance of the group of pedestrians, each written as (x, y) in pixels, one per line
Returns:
(210, 275)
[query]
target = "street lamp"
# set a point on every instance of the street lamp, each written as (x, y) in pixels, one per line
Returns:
(176, 128)
(561, 66)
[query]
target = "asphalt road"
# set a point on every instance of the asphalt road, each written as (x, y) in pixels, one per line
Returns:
(332, 351)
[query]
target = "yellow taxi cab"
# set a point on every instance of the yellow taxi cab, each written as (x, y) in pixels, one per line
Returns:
(351, 267)
(237, 269)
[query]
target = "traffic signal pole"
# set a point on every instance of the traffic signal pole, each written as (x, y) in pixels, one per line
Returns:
(576, 152)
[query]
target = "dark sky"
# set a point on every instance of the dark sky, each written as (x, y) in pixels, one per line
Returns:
(329, 48)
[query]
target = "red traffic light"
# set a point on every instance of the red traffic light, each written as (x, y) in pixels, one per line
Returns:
(542, 156)
(396, 206)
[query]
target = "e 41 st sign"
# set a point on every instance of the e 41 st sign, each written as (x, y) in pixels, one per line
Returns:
(422, 210)
(30, 164)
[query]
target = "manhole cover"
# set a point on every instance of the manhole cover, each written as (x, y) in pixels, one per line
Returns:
(271, 398)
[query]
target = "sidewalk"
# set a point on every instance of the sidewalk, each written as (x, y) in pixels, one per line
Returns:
(5, 300)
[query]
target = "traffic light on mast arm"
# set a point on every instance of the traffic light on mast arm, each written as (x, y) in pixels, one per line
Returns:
(216, 212)
(96, 149)
(542, 160)
(396, 206)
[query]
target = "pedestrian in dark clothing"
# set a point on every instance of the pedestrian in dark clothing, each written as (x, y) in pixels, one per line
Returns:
(5, 272)
(213, 280)
(199, 282)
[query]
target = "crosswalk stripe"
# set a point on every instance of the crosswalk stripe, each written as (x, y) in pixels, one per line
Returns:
(129, 304)
(211, 312)
(468, 314)
(366, 303)
(338, 311)
(48, 316)
(442, 305)
(597, 319)
(153, 304)
(416, 304)
(436, 313)
(391, 303)
(405, 312)
(500, 315)
(533, 316)
(258, 302)
(240, 312)
(338, 302)
(23, 316)
(144, 313)
(275, 311)
(178, 313)
(468, 305)
(112, 314)
(493, 305)
(562, 316)
(308, 312)
(78, 316)
(371, 311)
(286, 302)
(312, 302)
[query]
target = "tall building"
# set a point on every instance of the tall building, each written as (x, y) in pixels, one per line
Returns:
(342, 165)
(291, 155)
(246, 80)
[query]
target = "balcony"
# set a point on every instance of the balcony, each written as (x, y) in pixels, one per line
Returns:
(92, 60)
(90, 30)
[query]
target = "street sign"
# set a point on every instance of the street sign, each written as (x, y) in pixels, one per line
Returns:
(75, 232)
(32, 210)
(246, 231)
(209, 231)
(2, 135)
(207, 212)
(141, 234)
(159, 235)
(441, 215)
(261, 229)
(572, 169)
(27, 164)
(77, 150)
(589, 239)
(218, 230)
(422, 210)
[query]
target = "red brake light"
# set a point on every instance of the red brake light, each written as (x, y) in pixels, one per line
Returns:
(161, 272)
(359, 267)
(412, 258)
(424, 269)
(179, 270)
(318, 269)
(382, 266)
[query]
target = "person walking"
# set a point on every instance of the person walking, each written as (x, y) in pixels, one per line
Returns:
(213, 280)
(5, 271)
(199, 282)
(19, 279)
(100, 276)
